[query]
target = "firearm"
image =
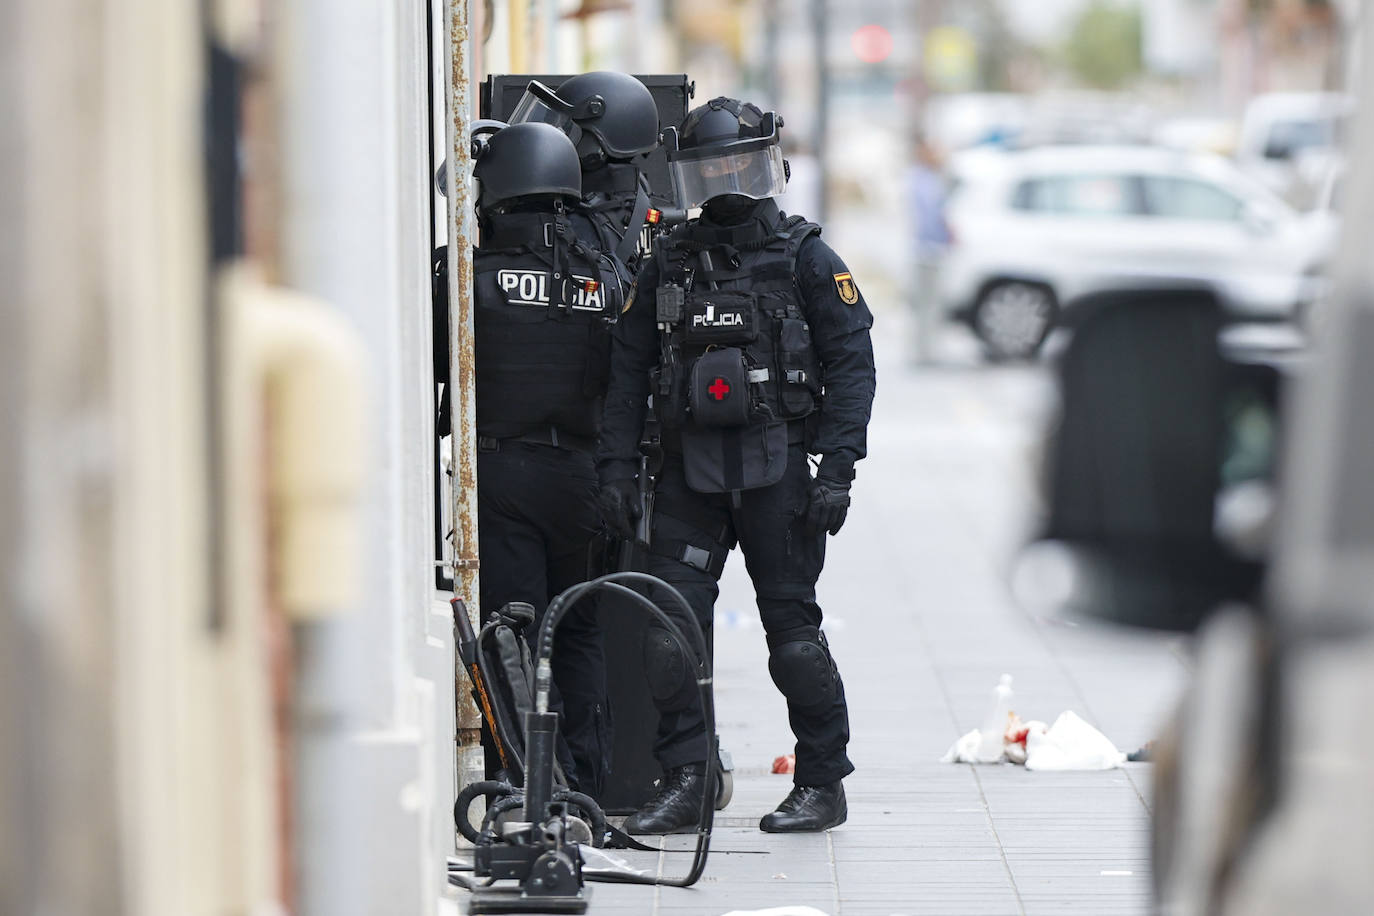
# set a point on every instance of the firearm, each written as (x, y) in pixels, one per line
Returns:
(668, 217)
(632, 550)
(646, 502)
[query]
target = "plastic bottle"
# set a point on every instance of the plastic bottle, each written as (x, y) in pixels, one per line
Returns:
(995, 724)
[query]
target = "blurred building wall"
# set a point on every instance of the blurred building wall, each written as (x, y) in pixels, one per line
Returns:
(131, 779)
(1281, 46)
(197, 715)
(574, 36)
(1179, 37)
(354, 128)
(55, 515)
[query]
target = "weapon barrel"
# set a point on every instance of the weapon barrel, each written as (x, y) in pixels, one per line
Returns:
(646, 502)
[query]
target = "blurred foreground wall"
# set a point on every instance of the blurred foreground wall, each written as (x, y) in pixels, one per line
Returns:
(102, 477)
(226, 681)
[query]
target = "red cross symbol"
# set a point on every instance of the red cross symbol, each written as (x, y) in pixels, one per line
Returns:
(719, 389)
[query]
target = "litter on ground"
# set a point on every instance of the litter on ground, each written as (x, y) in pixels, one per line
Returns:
(1068, 744)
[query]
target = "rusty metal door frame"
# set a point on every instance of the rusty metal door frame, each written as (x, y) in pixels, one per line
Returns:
(458, 103)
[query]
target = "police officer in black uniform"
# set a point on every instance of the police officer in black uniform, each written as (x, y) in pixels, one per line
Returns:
(545, 299)
(753, 339)
(613, 120)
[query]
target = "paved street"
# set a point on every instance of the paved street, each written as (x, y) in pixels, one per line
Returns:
(922, 623)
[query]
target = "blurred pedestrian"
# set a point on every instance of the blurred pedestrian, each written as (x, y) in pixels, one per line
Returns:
(757, 341)
(926, 189)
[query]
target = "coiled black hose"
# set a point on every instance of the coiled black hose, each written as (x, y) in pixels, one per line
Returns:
(495, 810)
(615, 583)
(491, 788)
(596, 818)
(587, 805)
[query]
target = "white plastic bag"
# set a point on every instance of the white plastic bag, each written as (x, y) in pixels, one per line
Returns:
(965, 750)
(1071, 744)
(602, 862)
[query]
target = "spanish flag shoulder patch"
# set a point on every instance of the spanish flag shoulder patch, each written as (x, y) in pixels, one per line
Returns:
(844, 285)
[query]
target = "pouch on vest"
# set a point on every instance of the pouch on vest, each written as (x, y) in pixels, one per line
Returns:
(800, 383)
(740, 458)
(721, 317)
(718, 392)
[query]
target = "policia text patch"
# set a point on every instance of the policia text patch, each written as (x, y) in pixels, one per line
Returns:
(532, 287)
(727, 316)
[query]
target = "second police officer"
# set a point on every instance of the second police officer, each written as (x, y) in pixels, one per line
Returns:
(613, 120)
(753, 340)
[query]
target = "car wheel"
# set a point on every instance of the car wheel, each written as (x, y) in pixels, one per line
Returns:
(1012, 319)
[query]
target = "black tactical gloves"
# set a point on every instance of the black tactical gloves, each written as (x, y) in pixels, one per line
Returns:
(827, 505)
(828, 495)
(619, 501)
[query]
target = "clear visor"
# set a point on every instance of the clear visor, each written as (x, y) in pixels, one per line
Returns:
(538, 104)
(756, 174)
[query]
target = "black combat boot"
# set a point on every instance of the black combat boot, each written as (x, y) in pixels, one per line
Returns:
(808, 808)
(677, 805)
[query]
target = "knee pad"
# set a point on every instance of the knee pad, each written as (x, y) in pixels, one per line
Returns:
(668, 669)
(800, 666)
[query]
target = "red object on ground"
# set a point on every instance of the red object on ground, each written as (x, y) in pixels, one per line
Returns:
(785, 764)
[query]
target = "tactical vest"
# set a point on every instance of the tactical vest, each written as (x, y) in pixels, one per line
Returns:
(738, 365)
(544, 302)
(738, 347)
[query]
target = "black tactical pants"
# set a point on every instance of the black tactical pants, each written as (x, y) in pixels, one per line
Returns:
(783, 562)
(536, 514)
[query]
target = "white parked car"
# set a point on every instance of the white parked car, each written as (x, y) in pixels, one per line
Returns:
(1041, 228)
(1289, 140)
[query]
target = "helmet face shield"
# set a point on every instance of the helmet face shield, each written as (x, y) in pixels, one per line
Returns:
(542, 104)
(615, 110)
(751, 169)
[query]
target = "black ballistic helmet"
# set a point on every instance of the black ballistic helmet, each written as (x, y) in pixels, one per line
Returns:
(609, 115)
(725, 147)
(479, 130)
(524, 160)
